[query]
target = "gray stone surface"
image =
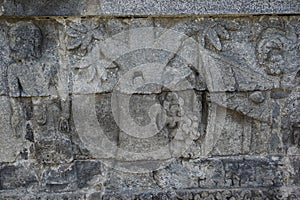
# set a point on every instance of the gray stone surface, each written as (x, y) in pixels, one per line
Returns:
(146, 8)
(11, 142)
(160, 107)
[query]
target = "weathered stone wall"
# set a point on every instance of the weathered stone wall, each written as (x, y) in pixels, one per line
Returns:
(149, 100)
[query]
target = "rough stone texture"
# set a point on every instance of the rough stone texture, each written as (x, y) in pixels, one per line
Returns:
(146, 8)
(161, 107)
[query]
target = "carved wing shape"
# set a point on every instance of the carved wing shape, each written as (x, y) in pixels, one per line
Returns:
(225, 76)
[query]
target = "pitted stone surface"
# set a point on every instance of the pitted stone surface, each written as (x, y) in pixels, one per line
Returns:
(146, 8)
(160, 107)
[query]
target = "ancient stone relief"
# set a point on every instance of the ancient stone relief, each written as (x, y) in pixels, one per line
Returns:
(37, 116)
(187, 108)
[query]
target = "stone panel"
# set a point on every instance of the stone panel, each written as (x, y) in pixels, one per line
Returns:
(165, 104)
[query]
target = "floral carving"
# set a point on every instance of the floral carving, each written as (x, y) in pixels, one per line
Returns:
(81, 34)
(93, 67)
(272, 50)
(80, 39)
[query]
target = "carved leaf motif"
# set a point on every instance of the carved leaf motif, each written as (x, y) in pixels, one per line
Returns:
(72, 32)
(88, 65)
(93, 71)
(87, 39)
(92, 66)
(81, 35)
(73, 43)
(214, 35)
(82, 64)
(222, 32)
(233, 26)
(213, 38)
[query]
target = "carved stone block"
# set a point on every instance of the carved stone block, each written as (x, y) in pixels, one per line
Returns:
(152, 101)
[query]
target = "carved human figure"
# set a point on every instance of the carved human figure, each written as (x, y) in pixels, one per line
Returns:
(34, 75)
(29, 75)
(26, 76)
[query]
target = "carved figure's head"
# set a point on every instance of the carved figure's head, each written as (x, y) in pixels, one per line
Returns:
(25, 41)
(270, 51)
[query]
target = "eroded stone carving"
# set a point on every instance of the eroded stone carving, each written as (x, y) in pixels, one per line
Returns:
(214, 35)
(201, 108)
(52, 143)
(290, 125)
(82, 33)
(29, 76)
(277, 54)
